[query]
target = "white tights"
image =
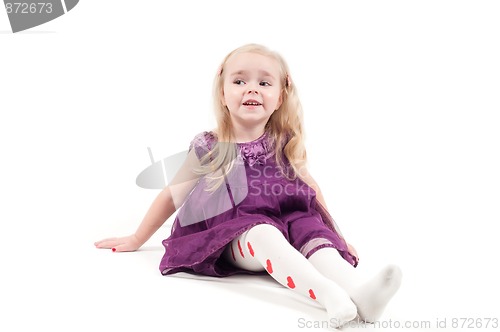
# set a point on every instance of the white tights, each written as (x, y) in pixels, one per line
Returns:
(325, 277)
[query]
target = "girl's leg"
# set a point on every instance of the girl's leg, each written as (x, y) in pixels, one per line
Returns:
(263, 246)
(370, 297)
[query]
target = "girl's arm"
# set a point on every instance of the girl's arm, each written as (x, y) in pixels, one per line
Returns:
(165, 204)
(161, 209)
(309, 180)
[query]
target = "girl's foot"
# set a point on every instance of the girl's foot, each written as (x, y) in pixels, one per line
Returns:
(372, 297)
(340, 308)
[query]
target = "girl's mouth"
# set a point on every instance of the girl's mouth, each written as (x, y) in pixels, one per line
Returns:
(252, 103)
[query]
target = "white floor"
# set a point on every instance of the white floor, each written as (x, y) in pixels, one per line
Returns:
(401, 116)
(54, 278)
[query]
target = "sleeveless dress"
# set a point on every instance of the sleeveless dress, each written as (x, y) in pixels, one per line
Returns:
(255, 192)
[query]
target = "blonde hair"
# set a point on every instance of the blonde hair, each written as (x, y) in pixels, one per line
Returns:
(285, 126)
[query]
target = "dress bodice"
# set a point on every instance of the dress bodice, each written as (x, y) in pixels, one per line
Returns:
(253, 152)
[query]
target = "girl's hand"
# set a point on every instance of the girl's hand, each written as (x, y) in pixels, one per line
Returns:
(126, 243)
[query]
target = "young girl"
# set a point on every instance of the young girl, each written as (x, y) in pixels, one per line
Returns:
(248, 204)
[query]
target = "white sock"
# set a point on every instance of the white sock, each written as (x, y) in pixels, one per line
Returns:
(372, 297)
(266, 245)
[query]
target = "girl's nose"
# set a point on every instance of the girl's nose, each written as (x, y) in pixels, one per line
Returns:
(252, 89)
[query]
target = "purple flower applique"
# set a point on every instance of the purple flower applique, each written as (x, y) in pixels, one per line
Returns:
(255, 152)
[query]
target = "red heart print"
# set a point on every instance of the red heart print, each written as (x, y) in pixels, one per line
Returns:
(312, 295)
(232, 252)
(269, 267)
(250, 248)
(241, 249)
(290, 283)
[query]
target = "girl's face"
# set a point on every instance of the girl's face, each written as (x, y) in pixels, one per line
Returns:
(252, 88)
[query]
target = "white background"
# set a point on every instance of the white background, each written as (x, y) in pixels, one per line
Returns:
(401, 102)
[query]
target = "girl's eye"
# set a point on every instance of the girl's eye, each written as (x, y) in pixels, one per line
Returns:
(265, 83)
(239, 82)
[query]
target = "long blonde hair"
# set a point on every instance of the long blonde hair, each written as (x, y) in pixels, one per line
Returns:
(285, 126)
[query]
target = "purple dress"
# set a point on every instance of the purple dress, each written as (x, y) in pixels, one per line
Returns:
(255, 192)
